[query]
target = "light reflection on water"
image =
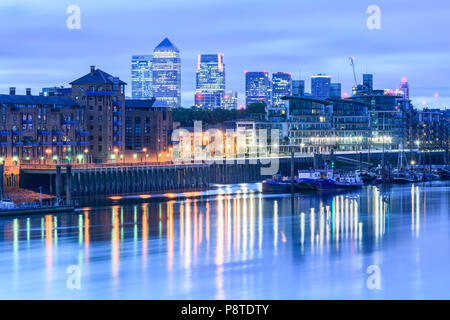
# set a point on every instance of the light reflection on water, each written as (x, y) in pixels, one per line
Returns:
(240, 246)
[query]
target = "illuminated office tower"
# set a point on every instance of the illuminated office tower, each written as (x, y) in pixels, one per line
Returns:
(210, 89)
(320, 86)
(281, 87)
(298, 88)
(257, 87)
(230, 100)
(166, 74)
(141, 77)
(404, 87)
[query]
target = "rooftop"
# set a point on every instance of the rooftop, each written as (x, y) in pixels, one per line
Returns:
(144, 103)
(37, 100)
(325, 102)
(96, 76)
(166, 45)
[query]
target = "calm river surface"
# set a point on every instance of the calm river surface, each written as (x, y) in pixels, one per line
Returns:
(238, 244)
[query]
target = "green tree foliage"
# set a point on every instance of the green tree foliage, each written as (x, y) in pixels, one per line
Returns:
(187, 116)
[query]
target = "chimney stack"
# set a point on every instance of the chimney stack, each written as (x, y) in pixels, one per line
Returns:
(92, 69)
(12, 91)
(28, 91)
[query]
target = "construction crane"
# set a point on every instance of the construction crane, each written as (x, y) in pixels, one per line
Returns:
(352, 63)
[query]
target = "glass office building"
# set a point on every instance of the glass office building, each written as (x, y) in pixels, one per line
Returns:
(298, 88)
(166, 73)
(320, 86)
(141, 77)
(210, 81)
(281, 86)
(230, 100)
(335, 90)
(258, 87)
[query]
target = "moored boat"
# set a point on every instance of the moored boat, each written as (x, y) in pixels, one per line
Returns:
(276, 185)
(307, 178)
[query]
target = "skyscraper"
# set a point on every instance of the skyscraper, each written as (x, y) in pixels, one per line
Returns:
(404, 87)
(230, 100)
(281, 86)
(320, 86)
(210, 89)
(257, 87)
(166, 66)
(141, 77)
(298, 88)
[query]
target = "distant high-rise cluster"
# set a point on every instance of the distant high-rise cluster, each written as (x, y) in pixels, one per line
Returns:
(210, 82)
(158, 76)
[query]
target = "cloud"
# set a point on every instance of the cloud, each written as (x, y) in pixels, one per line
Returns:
(312, 36)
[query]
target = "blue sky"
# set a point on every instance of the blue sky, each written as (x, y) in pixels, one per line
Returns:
(314, 36)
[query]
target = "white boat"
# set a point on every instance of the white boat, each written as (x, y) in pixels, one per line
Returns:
(7, 204)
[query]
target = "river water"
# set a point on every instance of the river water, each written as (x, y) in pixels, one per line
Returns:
(377, 243)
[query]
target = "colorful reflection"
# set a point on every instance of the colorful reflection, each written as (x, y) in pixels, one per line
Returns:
(217, 231)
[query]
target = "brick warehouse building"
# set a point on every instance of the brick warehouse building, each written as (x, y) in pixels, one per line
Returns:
(85, 125)
(36, 129)
(103, 98)
(148, 124)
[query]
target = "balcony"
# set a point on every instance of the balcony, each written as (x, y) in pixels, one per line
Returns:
(117, 133)
(17, 133)
(82, 133)
(99, 93)
(117, 113)
(5, 133)
(70, 143)
(57, 133)
(31, 144)
(117, 103)
(17, 144)
(58, 143)
(118, 143)
(45, 143)
(44, 133)
(5, 144)
(83, 143)
(27, 121)
(117, 123)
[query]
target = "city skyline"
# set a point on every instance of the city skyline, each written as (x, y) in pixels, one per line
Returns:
(275, 48)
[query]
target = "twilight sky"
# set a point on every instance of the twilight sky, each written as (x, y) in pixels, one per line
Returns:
(314, 36)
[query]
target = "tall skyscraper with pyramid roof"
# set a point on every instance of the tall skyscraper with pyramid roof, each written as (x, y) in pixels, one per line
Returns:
(166, 72)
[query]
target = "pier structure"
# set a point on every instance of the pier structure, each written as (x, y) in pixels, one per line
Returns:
(134, 179)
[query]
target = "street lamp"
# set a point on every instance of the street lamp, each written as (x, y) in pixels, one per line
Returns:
(144, 150)
(114, 155)
(86, 151)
